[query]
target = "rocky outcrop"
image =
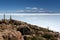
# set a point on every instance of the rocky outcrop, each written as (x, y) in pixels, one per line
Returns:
(18, 30)
(11, 35)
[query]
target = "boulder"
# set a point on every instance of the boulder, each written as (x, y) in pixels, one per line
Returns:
(11, 35)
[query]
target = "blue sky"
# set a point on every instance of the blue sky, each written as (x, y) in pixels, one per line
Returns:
(51, 21)
(21, 5)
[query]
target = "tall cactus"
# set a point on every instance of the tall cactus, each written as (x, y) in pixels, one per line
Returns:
(4, 17)
(10, 18)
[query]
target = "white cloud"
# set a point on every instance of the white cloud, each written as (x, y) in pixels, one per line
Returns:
(28, 8)
(41, 11)
(31, 8)
(20, 11)
(41, 8)
(35, 8)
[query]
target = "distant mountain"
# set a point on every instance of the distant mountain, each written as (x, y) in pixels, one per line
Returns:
(18, 30)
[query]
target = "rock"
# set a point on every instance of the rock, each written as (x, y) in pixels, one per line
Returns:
(24, 30)
(11, 35)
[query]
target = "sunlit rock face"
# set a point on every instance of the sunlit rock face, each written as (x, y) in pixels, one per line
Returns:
(10, 35)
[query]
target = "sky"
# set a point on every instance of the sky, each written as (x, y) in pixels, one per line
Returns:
(36, 6)
(45, 21)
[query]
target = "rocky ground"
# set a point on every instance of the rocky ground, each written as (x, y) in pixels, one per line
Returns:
(18, 30)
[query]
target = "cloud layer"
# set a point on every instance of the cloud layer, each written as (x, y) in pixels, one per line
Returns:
(30, 10)
(34, 10)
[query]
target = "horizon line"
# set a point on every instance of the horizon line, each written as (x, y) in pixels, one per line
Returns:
(29, 14)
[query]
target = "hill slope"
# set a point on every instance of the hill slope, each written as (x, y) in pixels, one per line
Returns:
(18, 30)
